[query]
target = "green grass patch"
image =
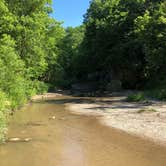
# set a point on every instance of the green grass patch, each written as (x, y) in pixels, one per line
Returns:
(147, 110)
(136, 97)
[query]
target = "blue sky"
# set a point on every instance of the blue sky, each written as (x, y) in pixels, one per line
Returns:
(70, 11)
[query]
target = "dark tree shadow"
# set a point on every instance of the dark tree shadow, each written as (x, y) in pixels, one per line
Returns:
(115, 101)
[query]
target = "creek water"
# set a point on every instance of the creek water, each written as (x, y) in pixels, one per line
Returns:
(60, 138)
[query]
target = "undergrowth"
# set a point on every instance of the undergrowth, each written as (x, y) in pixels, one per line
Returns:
(136, 97)
(147, 110)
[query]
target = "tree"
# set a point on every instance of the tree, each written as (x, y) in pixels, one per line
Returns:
(28, 36)
(151, 30)
(64, 69)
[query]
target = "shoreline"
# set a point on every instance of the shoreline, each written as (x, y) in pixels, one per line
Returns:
(116, 113)
(45, 96)
(148, 125)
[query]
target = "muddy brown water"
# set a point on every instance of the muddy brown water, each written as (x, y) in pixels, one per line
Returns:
(72, 140)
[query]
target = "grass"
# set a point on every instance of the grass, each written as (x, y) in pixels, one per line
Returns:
(147, 110)
(136, 97)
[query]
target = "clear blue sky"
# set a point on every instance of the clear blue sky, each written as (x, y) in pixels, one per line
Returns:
(70, 11)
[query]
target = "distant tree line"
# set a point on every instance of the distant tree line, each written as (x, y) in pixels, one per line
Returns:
(121, 40)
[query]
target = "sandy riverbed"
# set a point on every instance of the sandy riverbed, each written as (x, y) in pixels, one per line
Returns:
(117, 113)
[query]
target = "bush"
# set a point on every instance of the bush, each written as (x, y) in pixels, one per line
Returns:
(147, 110)
(136, 97)
(4, 106)
(159, 93)
(40, 87)
(17, 93)
(162, 94)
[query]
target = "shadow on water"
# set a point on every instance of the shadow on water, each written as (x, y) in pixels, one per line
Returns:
(117, 107)
(94, 100)
(72, 100)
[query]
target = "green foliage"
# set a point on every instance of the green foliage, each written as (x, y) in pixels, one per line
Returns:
(159, 93)
(11, 71)
(54, 37)
(110, 45)
(151, 30)
(147, 110)
(136, 97)
(63, 68)
(123, 40)
(28, 36)
(4, 106)
(40, 87)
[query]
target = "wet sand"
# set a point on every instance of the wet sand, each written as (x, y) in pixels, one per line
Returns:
(60, 138)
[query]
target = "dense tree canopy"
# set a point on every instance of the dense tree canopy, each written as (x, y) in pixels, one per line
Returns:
(28, 42)
(124, 40)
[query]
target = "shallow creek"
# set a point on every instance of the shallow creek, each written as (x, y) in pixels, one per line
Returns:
(60, 138)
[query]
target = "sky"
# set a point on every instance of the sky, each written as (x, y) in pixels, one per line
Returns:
(70, 11)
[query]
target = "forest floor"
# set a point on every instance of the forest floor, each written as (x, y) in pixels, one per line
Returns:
(146, 119)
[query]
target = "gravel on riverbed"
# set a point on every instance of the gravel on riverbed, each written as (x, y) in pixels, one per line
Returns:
(141, 119)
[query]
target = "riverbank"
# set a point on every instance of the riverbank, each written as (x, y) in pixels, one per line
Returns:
(46, 96)
(143, 119)
(146, 120)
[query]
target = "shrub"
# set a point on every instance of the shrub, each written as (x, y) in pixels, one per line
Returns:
(17, 93)
(146, 110)
(136, 97)
(40, 87)
(159, 93)
(4, 106)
